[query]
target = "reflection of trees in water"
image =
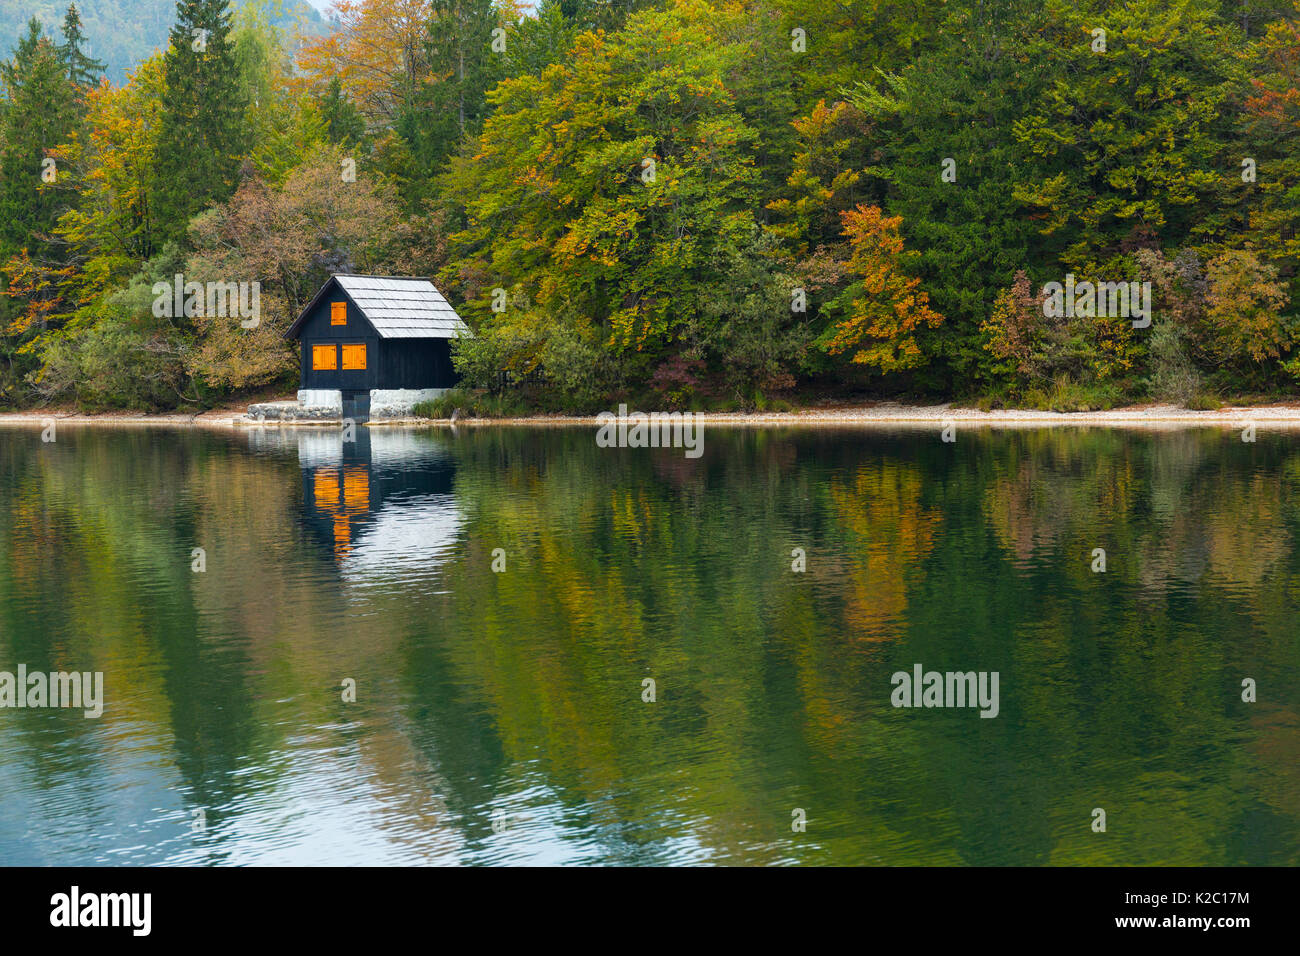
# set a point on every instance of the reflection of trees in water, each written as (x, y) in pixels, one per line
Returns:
(1119, 690)
(1165, 508)
(886, 533)
(1107, 699)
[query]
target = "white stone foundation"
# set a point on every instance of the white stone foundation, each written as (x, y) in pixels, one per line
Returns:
(326, 404)
(331, 398)
(313, 405)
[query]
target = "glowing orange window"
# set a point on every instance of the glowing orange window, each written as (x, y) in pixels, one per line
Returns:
(354, 356)
(324, 358)
(338, 313)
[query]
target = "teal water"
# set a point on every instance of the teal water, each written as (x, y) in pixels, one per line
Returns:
(499, 715)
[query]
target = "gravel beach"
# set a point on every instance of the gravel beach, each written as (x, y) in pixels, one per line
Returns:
(879, 414)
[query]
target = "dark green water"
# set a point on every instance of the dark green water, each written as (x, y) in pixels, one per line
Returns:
(499, 716)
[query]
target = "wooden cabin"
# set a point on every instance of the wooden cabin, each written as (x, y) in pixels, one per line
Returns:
(376, 340)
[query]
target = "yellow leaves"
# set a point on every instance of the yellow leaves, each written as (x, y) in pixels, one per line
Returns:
(820, 120)
(376, 42)
(114, 163)
(1244, 307)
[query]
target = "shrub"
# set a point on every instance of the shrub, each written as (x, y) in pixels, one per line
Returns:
(112, 367)
(1065, 395)
(1174, 378)
(472, 404)
(126, 359)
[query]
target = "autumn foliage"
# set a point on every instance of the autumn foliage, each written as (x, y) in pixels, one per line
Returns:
(687, 201)
(888, 308)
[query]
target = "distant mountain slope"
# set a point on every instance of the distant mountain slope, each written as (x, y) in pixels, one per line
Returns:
(121, 32)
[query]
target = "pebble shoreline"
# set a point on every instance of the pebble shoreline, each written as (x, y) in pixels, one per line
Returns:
(885, 414)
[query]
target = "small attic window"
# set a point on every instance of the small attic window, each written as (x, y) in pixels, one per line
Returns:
(338, 313)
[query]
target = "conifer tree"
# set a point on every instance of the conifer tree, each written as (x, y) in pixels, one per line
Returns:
(40, 114)
(464, 65)
(202, 128)
(83, 70)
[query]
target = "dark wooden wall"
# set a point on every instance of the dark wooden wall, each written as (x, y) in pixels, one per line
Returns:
(416, 363)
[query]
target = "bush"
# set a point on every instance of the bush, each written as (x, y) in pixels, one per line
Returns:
(112, 367)
(120, 355)
(680, 382)
(579, 372)
(1045, 358)
(1204, 402)
(1174, 378)
(472, 404)
(1064, 395)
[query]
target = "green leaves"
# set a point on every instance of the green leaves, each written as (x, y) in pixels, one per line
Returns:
(609, 185)
(657, 191)
(1132, 141)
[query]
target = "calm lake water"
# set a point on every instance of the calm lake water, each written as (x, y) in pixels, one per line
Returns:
(499, 715)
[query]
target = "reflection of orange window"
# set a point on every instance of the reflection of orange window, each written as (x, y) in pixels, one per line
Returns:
(356, 491)
(338, 313)
(323, 358)
(326, 490)
(354, 356)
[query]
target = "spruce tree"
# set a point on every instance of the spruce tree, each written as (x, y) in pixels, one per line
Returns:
(451, 106)
(342, 119)
(40, 115)
(202, 127)
(83, 70)
(960, 103)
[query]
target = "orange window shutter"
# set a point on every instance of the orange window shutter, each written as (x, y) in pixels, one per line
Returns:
(338, 313)
(354, 357)
(323, 358)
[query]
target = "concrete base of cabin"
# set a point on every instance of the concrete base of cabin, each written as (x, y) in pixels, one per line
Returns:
(313, 405)
(331, 398)
(399, 402)
(324, 404)
(293, 412)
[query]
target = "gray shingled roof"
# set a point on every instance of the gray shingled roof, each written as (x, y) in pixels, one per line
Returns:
(404, 308)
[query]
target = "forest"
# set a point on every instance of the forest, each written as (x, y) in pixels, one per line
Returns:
(683, 204)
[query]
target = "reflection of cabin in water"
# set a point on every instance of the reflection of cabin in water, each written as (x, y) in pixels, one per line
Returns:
(382, 504)
(375, 341)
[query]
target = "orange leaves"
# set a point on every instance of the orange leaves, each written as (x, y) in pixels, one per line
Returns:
(888, 306)
(39, 287)
(1278, 98)
(377, 51)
